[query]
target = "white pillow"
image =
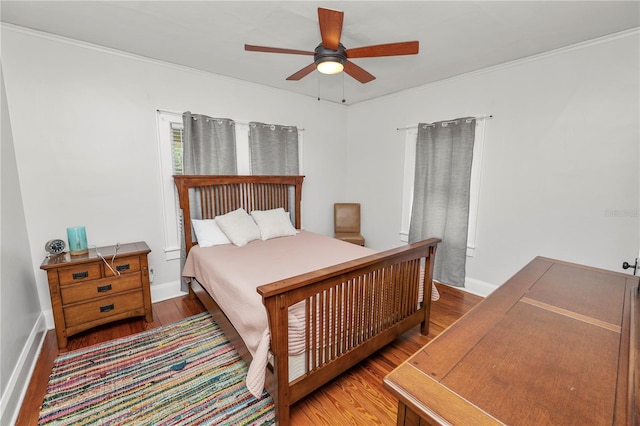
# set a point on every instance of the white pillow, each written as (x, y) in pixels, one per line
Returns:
(273, 223)
(238, 227)
(208, 233)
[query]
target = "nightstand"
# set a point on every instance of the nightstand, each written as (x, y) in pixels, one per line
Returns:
(86, 292)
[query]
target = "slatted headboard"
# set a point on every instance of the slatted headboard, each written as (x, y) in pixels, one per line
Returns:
(220, 194)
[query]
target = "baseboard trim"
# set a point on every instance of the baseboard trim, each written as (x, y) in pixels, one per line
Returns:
(165, 291)
(16, 389)
(477, 287)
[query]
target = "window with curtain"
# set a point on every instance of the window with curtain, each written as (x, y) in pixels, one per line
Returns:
(170, 147)
(442, 191)
(209, 145)
(410, 139)
(273, 149)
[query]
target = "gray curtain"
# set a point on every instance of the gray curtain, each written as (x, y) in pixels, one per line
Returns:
(209, 146)
(273, 149)
(444, 152)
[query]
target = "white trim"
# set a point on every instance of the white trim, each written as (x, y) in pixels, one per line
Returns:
(170, 229)
(172, 253)
(477, 287)
(410, 138)
(166, 291)
(16, 388)
(474, 193)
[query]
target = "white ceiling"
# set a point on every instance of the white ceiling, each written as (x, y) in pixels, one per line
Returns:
(456, 37)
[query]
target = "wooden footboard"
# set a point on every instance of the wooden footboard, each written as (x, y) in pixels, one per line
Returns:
(351, 310)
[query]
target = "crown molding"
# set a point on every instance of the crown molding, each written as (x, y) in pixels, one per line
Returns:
(533, 58)
(83, 44)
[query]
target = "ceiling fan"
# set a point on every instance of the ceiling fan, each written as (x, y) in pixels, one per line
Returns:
(331, 57)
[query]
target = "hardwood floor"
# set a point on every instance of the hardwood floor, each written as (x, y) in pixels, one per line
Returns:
(355, 398)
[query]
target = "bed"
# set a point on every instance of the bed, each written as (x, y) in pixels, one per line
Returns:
(323, 317)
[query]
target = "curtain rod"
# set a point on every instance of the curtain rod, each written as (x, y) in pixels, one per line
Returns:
(478, 117)
(300, 129)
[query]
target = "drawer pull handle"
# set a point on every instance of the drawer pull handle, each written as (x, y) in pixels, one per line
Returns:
(121, 268)
(80, 275)
(107, 308)
(104, 288)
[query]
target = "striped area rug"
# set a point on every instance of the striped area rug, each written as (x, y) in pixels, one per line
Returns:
(184, 373)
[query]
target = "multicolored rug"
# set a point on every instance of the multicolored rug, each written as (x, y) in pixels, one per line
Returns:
(184, 373)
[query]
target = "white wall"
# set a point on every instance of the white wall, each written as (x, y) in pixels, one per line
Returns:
(84, 124)
(560, 173)
(22, 324)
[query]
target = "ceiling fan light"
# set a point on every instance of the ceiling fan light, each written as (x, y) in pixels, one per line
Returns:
(330, 67)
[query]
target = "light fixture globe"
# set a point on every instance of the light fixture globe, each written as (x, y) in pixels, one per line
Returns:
(330, 61)
(328, 66)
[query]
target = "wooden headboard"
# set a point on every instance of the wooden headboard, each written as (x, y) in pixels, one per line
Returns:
(215, 195)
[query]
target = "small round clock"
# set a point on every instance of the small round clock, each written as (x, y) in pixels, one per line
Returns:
(55, 246)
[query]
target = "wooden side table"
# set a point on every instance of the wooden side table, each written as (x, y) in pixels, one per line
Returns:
(89, 290)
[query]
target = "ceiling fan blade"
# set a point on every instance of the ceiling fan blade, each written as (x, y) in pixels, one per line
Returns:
(390, 49)
(358, 73)
(303, 72)
(330, 27)
(252, 48)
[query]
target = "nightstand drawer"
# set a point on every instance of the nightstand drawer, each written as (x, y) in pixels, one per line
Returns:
(124, 266)
(76, 274)
(102, 308)
(105, 287)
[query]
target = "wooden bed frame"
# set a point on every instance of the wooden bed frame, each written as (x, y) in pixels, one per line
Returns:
(362, 304)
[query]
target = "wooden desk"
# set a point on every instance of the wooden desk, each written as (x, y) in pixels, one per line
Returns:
(557, 344)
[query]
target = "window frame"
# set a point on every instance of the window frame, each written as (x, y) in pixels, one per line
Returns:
(170, 207)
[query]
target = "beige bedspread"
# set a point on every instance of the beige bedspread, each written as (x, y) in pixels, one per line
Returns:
(231, 275)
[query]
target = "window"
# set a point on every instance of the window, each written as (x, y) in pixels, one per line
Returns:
(170, 149)
(411, 136)
(170, 133)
